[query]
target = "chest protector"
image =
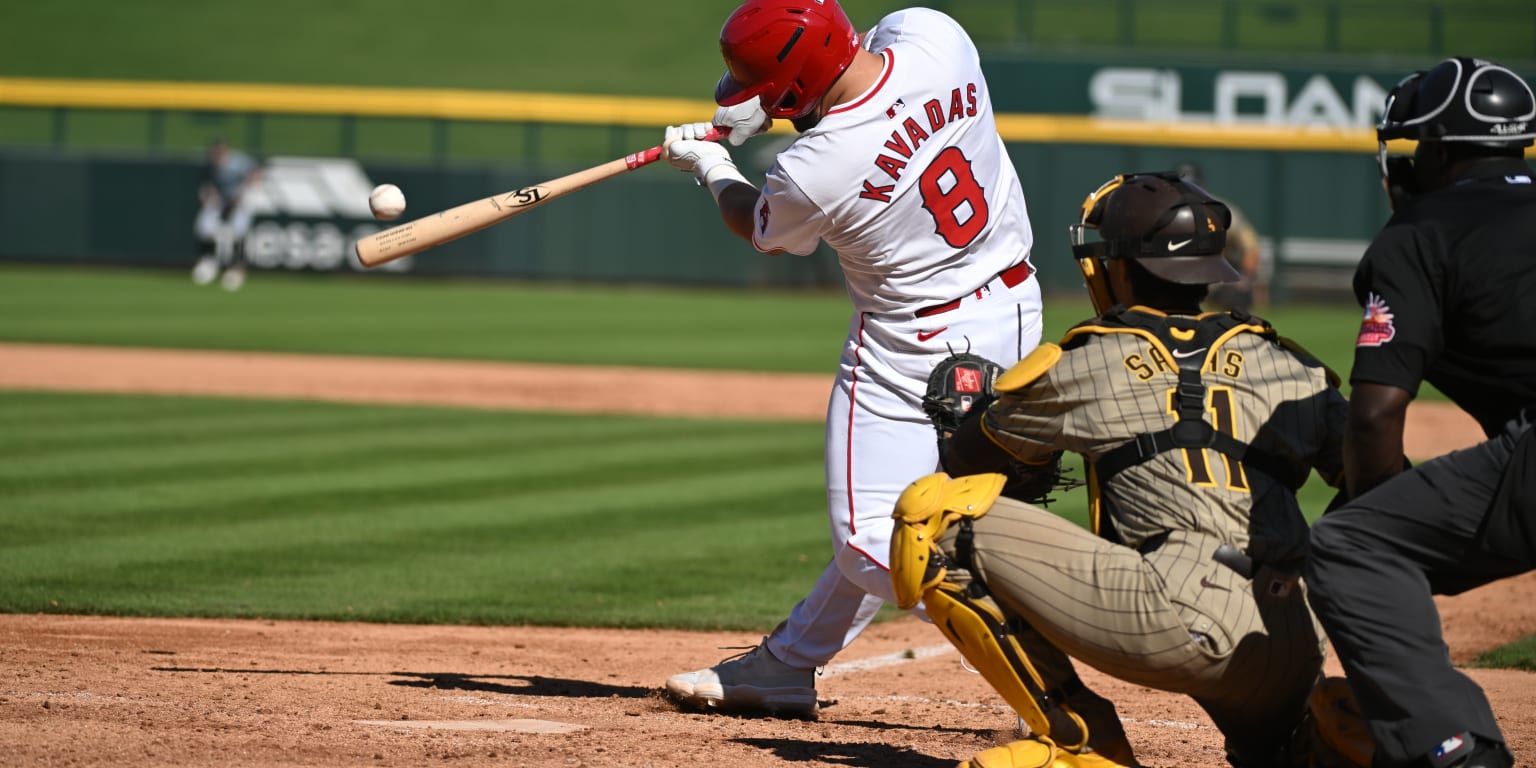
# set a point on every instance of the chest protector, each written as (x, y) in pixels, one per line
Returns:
(1187, 336)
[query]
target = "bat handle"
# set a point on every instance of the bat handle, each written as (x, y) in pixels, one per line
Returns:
(647, 156)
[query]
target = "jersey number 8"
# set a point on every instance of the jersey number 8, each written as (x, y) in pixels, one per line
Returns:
(945, 201)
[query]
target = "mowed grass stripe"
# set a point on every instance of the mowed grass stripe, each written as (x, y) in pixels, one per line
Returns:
(614, 543)
(335, 503)
(531, 450)
(193, 451)
(233, 527)
(646, 326)
(623, 571)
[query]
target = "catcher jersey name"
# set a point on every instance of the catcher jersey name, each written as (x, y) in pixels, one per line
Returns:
(1151, 362)
(911, 135)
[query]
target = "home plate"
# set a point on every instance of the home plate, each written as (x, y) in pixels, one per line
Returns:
(516, 726)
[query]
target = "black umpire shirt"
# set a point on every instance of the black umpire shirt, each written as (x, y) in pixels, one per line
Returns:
(1449, 290)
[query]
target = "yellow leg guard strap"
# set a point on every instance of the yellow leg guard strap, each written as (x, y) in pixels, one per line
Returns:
(979, 631)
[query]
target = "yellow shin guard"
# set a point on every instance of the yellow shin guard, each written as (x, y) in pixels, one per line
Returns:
(971, 621)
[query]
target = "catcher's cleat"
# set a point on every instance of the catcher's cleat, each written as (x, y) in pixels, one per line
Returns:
(755, 682)
(1038, 753)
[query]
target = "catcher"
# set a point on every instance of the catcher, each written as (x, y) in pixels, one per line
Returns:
(1196, 429)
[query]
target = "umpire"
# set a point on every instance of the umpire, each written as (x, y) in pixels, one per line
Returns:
(1447, 288)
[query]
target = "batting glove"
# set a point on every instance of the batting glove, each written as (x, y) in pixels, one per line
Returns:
(709, 162)
(742, 121)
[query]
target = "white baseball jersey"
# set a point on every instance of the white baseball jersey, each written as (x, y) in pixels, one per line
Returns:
(911, 185)
(910, 182)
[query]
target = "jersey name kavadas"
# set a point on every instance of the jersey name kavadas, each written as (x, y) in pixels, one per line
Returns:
(909, 183)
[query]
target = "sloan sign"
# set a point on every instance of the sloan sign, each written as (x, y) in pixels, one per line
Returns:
(1236, 96)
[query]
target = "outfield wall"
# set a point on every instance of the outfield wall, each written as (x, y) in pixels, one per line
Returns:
(1315, 209)
(1291, 148)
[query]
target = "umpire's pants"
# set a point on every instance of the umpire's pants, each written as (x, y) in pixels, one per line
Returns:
(1373, 567)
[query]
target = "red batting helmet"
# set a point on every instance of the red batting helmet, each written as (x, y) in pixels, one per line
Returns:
(788, 52)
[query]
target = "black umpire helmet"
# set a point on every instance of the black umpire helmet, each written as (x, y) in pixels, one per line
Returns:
(1472, 105)
(1167, 224)
(1461, 100)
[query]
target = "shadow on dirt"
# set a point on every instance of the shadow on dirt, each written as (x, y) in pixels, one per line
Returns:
(859, 755)
(524, 685)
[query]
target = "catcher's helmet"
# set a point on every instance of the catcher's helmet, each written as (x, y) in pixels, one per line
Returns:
(1166, 223)
(786, 52)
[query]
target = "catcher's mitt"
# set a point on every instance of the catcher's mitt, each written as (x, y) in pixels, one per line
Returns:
(960, 388)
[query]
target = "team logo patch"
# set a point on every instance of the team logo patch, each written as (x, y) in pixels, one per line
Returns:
(895, 109)
(967, 380)
(1448, 746)
(1376, 327)
(762, 218)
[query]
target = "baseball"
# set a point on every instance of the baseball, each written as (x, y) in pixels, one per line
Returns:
(386, 202)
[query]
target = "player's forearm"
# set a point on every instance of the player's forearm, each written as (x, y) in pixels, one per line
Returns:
(737, 203)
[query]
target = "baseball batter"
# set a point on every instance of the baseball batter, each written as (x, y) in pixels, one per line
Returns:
(1196, 429)
(898, 167)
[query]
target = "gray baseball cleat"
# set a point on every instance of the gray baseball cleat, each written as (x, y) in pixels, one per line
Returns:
(755, 682)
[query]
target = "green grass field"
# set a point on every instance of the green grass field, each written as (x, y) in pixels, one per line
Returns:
(169, 506)
(157, 506)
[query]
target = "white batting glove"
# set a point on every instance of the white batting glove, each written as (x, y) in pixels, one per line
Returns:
(709, 162)
(743, 121)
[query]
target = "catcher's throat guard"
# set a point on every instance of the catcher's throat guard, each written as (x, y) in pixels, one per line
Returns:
(966, 615)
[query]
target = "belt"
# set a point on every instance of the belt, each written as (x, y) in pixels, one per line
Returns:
(1011, 277)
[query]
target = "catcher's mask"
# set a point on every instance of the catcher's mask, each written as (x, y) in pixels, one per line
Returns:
(1462, 100)
(1166, 223)
(787, 53)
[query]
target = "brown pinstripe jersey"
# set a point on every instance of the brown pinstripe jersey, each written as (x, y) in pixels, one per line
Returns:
(1112, 383)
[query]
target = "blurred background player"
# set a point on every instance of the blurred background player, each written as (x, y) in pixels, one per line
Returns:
(1446, 286)
(224, 218)
(898, 167)
(1244, 253)
(1197, 429)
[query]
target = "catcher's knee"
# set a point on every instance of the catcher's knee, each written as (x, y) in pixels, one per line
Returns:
(923, 512)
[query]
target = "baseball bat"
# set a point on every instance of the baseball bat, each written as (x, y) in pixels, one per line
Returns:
(445, 226)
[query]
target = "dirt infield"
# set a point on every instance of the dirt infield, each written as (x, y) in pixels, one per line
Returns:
(95, 691)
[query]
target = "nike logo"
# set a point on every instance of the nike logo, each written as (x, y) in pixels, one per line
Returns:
(1208, 584)
(926, 335)
(1182, 355)
(1172, 246)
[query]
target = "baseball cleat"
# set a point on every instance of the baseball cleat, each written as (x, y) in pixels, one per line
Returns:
(1038, 752)
(233, 279)
(753, 682)
(206, 269)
